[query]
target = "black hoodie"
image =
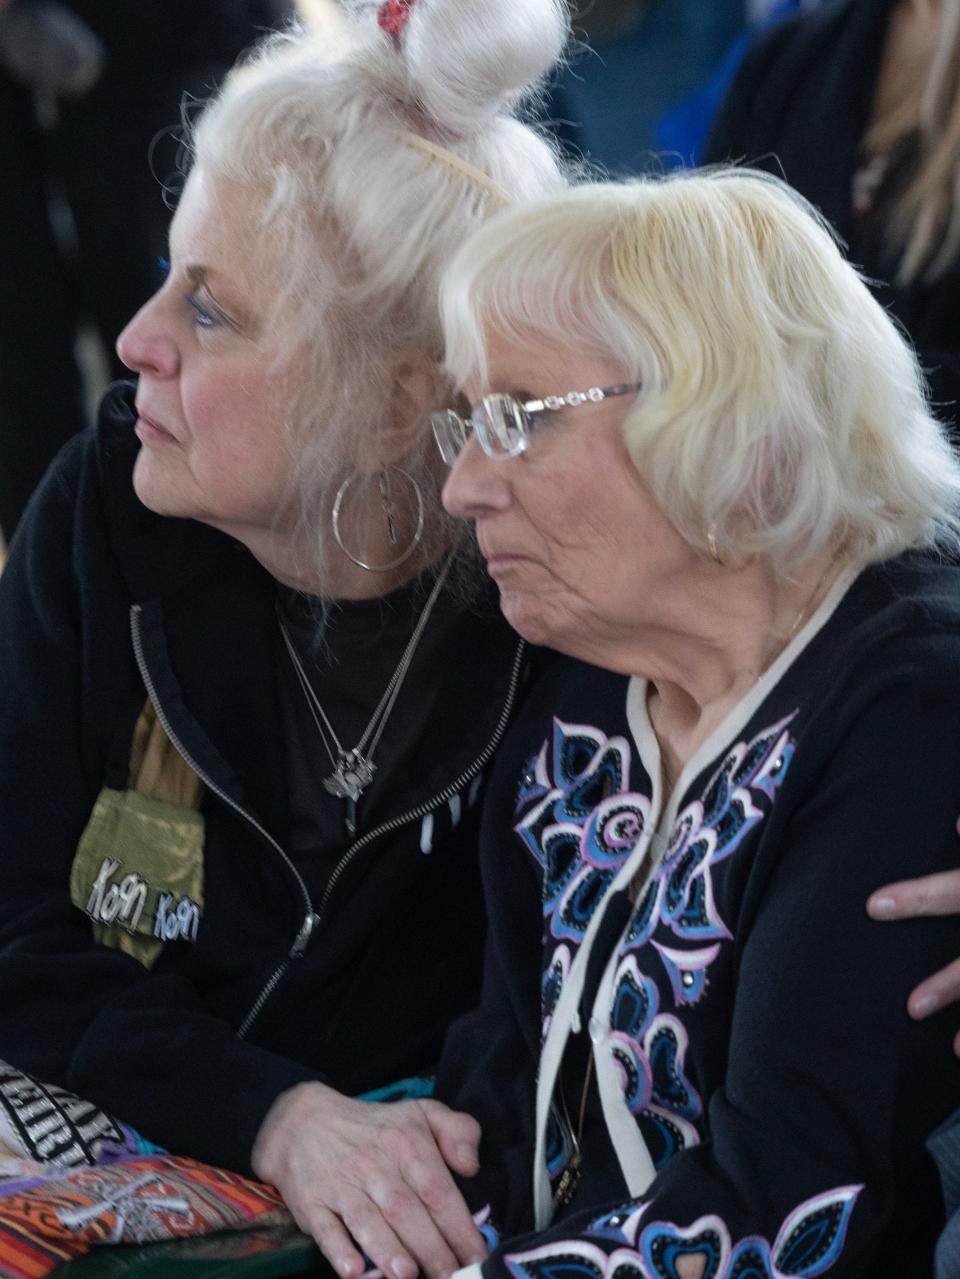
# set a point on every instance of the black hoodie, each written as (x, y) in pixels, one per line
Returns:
(102, 603)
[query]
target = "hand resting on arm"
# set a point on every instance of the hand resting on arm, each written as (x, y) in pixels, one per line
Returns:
(373, 1176)
(908, 899)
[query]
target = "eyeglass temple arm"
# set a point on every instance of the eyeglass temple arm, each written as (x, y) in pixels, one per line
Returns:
(552, 403)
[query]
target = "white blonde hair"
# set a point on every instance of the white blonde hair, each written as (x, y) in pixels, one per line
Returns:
(347, 145)
(781, 410)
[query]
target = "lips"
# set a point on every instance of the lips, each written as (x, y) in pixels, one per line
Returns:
(502, 560)
(150, 431)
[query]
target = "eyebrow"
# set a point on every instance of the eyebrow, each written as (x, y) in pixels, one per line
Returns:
(517, 390)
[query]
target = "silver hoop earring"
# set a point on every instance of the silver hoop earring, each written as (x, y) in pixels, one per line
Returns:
(386, 498)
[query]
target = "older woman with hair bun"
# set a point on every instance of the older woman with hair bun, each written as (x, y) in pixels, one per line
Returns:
(701, 465)
(248, 690)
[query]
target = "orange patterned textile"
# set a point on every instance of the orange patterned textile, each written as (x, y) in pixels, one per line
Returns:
(46, 1221)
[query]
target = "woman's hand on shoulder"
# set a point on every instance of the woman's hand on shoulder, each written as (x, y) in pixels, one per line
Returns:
(373, 1177)
(932, 895)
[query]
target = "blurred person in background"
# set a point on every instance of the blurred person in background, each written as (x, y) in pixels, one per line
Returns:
(85, 88)
(644, 56)
(857, 105)
(682, 132)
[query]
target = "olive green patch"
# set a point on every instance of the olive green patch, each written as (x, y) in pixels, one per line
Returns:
(138, 873)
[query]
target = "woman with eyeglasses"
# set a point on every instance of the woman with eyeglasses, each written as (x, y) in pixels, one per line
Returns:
(700, 464)
(250, 681)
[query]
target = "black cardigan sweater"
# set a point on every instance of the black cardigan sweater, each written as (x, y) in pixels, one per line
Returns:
(761, 1095)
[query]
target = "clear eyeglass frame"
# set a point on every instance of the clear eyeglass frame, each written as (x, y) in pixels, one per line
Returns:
(503, 425)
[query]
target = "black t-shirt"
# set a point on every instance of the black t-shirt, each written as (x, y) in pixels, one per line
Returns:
(349, 650)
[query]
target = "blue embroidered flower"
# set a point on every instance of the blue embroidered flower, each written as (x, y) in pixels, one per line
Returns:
(808, 1244)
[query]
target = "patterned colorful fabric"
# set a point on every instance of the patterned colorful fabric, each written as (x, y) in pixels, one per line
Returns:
(581, 823)
(807, 1245)
(43, 1127)
(139, 1200)
(72, 1177)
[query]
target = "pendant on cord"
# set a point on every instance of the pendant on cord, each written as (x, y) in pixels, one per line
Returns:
(353, 772)
(569, 1182)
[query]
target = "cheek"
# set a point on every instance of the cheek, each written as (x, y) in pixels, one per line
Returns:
(236, 431)
(235, 463)
(572, 516)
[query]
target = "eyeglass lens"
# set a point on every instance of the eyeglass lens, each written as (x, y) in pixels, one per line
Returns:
(450, 432)
(502, 425)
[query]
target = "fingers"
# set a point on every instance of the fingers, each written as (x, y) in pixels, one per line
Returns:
(936, 992)
(933, 895)
(443, 1207)
(399, 1205)
(423, 1205)
(400, 1228)
(457, 1136)
(423, 1245)
(333, 1241)
(368, 1224)
(362, 1177)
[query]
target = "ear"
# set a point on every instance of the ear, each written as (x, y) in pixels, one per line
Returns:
(418, 387)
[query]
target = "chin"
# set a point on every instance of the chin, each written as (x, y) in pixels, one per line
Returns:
(528, 618)
(158, 491)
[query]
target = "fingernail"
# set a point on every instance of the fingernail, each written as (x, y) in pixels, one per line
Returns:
(926, 1004)
(401, 1269)
(883, 907)
(467, 1154)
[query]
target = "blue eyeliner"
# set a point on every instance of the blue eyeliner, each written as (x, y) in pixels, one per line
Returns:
(203, 318)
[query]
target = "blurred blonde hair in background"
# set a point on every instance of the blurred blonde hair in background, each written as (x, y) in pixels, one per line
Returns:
(924, 220)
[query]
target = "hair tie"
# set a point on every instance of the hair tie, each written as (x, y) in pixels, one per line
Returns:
(392, 17)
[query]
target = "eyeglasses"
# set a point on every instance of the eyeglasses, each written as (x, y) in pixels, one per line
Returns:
(503, 425)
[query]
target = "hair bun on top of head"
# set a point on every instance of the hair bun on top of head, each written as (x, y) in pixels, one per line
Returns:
(466, 59)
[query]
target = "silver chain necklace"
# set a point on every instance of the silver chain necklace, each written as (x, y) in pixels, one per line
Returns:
(353, 768)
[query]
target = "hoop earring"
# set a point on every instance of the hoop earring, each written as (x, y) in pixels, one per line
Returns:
(712, 546)
(385, 496)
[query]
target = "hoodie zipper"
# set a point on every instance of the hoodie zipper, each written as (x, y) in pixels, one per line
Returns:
(312, 918)
(306, 930)
(442, 796)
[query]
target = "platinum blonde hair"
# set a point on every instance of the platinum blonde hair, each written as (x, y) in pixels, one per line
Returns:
(362, 217)
(781, 410)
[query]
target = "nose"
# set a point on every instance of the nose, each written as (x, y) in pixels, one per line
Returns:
(478, 485)
(144, 346)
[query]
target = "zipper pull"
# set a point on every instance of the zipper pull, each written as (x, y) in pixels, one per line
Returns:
(304, 935)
